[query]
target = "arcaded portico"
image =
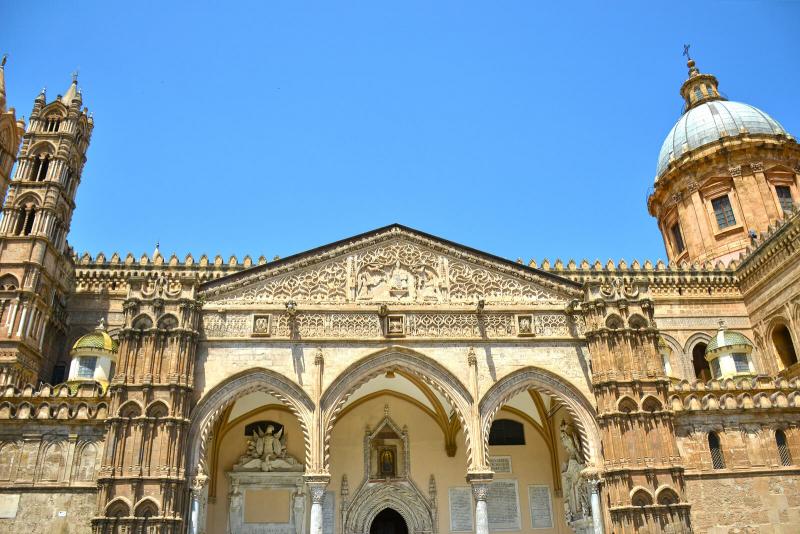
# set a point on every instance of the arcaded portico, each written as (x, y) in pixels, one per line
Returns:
(331, 368)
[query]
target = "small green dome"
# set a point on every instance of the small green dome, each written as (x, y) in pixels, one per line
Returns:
(728, 341)
(97, 342)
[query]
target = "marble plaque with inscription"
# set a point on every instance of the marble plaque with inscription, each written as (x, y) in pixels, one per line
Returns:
(328, 510)
(460, 509)
(500, 464)
(541, 507)
(502, 503)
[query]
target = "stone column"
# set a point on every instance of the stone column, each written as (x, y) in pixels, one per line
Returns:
(316, 487)
(597, 511)
(480, 489)
(199, 499)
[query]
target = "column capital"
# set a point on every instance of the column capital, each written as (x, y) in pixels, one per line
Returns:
(480, 481)
(317, 483)
(198, 484)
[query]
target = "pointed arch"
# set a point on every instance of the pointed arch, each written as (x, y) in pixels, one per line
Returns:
(406, 500)
(146, 507)
(118, 507)
(394, 358)
(168, 321)
(575, 402)
(130, 409)
(157, 408)
(223, 395)
(142, 322)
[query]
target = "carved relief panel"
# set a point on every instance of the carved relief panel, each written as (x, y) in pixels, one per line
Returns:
(397, 271)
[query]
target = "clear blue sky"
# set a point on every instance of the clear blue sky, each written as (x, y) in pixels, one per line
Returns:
(519, 128)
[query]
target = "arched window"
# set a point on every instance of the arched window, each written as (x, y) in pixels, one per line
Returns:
(783, 448)
(506, 432)
(717, 458)
(52, 123)
(702, 371)
(782, 340)
(25, 219)
(40, 167)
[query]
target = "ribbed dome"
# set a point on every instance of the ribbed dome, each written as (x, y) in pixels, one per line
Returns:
(711, 121)
(725, 339)
(95, 342)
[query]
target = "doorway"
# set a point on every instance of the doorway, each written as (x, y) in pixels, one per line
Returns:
(388, 521)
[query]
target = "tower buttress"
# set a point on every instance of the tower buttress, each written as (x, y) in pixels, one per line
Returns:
(36, 270)
(643, 471)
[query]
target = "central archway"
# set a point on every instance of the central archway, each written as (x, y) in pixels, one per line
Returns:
(393, 359)
(388, 521)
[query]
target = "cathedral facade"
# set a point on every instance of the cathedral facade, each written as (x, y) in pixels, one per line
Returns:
(398, 383)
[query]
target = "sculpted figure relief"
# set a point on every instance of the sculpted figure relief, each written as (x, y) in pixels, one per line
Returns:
(576, 495)
(392, 271)
(266, 451)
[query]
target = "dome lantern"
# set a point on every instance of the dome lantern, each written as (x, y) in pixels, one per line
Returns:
(728, 354)
(94, 357)
(698, 88)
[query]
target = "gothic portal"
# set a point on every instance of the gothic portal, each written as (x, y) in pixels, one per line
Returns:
(398, 383)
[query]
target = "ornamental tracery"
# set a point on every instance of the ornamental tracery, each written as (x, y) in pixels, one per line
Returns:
(399, 272)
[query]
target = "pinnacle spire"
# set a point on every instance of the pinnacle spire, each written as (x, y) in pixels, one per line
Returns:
(3, 83)
(72, 91)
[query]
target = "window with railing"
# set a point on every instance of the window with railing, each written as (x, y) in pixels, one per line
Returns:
(717, 458)
(784, 193)
(783, 448)
(723, 211)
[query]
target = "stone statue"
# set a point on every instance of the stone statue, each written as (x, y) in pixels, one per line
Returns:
(576, 497)
(266, 451)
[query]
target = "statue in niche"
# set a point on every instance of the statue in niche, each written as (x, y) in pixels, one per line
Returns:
(266, 451)
(576, 495)
(386, 462)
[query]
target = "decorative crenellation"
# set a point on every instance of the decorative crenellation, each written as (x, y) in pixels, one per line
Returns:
(99, 273)
(756, 393)
(770, 250)
(83, 403)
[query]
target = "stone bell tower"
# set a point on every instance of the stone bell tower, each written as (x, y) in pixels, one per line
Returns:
(35, 267)
(643, 469)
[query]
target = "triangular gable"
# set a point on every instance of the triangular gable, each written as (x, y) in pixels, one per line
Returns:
(391, 265)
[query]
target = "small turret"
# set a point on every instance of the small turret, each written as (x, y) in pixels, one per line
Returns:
(699, 87)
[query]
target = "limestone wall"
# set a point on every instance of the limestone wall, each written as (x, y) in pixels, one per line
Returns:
(61, 511)
(755, 504)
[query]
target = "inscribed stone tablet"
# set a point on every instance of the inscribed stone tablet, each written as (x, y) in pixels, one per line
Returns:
(328, 507)
(502, 503)
(9, 502)
(541, 507)
(460, 509)
(500, 464)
